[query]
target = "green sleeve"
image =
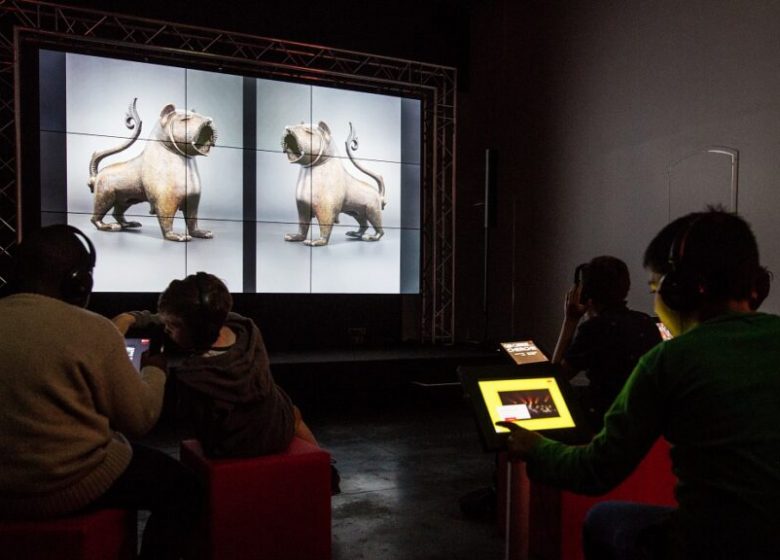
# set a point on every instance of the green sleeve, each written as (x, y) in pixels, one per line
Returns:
(631, 426)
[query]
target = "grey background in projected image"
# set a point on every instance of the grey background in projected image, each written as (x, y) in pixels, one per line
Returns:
(98, 93)
(342, 266)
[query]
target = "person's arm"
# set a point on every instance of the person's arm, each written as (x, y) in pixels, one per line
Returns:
(131, 401)
(573, 311)
(632, 425)
(135, 319)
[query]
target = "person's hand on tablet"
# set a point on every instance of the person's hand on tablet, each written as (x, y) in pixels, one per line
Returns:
(520, 442)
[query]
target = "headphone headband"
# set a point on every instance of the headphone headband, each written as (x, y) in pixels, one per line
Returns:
(677, 248)
(680, 288)
(202, 296)
(87, 242)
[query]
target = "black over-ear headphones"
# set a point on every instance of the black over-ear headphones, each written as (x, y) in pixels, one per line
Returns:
(203, 297)
(680, 288)
(203, 307)
(76, 286)
(579, 279)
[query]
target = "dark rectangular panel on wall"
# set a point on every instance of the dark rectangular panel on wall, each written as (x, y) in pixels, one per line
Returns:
(250, 183)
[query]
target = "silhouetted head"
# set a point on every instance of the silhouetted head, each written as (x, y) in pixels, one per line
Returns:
(56, 261)
(605, 280)
(706, 258)
(194, 310)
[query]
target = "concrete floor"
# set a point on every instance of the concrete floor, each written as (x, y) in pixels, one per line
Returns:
(403, 470)
(404, 461)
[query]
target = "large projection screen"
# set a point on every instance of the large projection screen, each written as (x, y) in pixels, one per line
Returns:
(85, 101)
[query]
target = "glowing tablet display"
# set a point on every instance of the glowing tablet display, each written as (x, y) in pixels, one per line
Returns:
(533, 403)
(524, 352)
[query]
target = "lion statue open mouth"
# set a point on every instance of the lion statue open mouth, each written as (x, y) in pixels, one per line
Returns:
(193, 134)
(326, 189)
(291, 147)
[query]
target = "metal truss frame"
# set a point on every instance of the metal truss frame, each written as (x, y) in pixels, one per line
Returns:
(262, 57)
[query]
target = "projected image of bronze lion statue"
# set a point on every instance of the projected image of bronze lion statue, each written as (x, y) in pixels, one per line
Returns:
(326, 189)
(165, 174)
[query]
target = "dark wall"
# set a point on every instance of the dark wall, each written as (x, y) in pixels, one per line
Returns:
(601, 112)
(506, 110)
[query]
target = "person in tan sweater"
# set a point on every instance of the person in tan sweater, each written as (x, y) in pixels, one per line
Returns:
(70, 398)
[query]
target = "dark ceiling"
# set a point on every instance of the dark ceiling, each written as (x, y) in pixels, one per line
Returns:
(434, 31)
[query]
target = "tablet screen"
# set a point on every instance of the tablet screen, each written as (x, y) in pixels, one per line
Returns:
(533, 403)
(666, 334)
(524, 352)
(135, 347)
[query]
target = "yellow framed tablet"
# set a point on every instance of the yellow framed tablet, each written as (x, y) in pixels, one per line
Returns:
(535, 396)
(534, 403)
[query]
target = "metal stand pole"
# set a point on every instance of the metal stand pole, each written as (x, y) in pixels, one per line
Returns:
(517, 510)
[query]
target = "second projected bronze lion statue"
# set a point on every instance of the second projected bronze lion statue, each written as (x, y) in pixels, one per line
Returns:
(326, 189)
(165, 174)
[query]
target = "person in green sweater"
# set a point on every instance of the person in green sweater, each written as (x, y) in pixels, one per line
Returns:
(713, 392)
(70, 398)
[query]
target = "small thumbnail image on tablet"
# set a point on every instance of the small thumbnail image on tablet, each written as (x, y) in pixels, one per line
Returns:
(524, 405)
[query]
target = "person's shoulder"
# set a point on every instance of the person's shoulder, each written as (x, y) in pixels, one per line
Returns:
(237, 321)
(590, 325)
(52, 307)
(738, 321)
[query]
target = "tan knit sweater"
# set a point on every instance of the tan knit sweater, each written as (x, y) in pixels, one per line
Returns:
(67, 388)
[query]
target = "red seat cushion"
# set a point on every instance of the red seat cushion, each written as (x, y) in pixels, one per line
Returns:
(275, 506)
(106, 534)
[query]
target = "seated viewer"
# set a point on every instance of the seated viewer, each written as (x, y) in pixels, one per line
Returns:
(713, 392)
(226, 396)
(70, 399)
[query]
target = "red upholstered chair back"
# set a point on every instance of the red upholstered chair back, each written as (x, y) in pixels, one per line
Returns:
(552, 519)
(652, 483)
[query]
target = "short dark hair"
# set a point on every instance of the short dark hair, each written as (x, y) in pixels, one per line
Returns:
(47, 256)
(606, 280)
(202, 302)
(762, 286)
(716, 247)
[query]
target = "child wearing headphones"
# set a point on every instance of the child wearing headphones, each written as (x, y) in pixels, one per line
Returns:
(600, 336)
(713, 392)
(226, 396)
